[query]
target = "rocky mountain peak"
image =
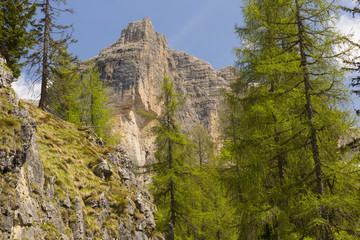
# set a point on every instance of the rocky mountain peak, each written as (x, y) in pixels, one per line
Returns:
(136, 34)
(133, 68)
(137, 31)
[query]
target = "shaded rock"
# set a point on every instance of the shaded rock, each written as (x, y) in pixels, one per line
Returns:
(79, 225)
(141, 204)
(103, 170)
(6, 75)
(105, 206)
(114, 158)
(100, 142)
(130, 208)
(50, 188)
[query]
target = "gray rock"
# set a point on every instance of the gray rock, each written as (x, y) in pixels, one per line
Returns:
(124, 174)
(6, 76)
(130, 208)
(100, 142)
(92, 139)
(103, 170)
(105, 206)
(6, 223)
(79, 226)
(105, 234)
(141, 225)
(65, 202)
(140, 235)
(120, 149)
(141, 204)
(50, 189)
(114, 158)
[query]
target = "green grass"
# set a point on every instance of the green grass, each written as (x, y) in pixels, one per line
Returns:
(69, 156)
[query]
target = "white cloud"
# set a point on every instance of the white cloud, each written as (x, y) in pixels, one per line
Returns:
(350, 27)
(25, 89)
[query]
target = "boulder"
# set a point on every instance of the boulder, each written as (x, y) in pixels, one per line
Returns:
(103, 170)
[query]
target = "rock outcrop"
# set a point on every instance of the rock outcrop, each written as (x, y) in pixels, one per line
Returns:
(133, 68)
(56, 183)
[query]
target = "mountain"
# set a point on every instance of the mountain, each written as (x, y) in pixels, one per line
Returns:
(133, 68)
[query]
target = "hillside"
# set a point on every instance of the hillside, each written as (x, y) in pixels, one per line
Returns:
(58, 181)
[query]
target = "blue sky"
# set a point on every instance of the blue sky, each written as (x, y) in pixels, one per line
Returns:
(202, 28)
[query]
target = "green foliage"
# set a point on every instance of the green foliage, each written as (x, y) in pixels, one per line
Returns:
(80, 97)
(17, 31)
(169, 184)
(51, 42)
(282, 122)
(68, 156)
(94, 102)
(186, 186)
(65, 85)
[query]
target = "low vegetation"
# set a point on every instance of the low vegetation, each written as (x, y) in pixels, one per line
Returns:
(68, 156)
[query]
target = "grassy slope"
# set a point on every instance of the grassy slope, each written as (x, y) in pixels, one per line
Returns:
(69, 156)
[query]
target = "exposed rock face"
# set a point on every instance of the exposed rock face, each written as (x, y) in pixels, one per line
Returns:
(134, 66)
(32, 205)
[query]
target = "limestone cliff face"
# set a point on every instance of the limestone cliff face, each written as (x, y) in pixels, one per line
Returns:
(134, 66)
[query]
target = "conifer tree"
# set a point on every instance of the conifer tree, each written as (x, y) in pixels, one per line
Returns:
(17, 31)
(211, 214)
(171, 194)
(94, 101)
(52, 39)
(79, 96)
(65, 88)
(283, 123)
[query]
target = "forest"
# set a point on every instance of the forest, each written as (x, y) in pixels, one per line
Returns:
(282, 170)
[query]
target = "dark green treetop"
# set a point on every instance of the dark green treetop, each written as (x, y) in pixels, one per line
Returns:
(18, 32)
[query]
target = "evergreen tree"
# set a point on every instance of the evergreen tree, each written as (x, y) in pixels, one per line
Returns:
(79, 96)
(93, 101)
(17, 31)
(211, 214)
(169, 187)
(283, 123)
(65, 88)
(52, 39)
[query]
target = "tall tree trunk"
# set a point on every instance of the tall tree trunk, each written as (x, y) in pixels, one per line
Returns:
(309, 107)
(326, 234)
(45, 64)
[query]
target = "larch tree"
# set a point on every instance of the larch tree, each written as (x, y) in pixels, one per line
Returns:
(211, 213)
(65, 88)
(52, 39)
(283, 122)
(79, 96)
(171, 170)
(93, 101)
(18, 31)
